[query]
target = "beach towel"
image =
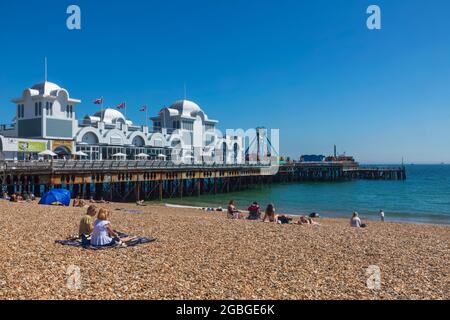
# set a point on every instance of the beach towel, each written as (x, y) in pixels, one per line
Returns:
(77, 242)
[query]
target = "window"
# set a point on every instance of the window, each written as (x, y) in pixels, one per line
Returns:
(188, 125)
(51, 108)
(22, 111)
(67, 111)
(35, 108)
(40, 108)
(71, 111)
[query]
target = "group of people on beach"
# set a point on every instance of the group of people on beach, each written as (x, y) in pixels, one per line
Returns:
(19, 197)
(95, 229)
(81, 203)
(254, 213)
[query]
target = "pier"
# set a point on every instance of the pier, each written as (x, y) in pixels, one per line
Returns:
(155, 180)
(336, 171)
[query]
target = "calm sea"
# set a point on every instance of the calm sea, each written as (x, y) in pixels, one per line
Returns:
(424, 197)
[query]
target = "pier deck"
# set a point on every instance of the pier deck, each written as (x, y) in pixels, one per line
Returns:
(139, 179)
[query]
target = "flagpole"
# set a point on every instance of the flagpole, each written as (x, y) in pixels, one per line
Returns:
(101, 111)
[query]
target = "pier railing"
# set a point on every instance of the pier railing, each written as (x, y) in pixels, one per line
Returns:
(115, 165)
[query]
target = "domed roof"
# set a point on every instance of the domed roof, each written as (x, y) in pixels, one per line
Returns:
(186, 107)
(46, 88)
(111, 116)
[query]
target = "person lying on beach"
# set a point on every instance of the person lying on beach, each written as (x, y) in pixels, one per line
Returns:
(254, 211)
(302, 220)
(16, 197)
(87, 223)
(355, 222)
(307, 221)
(140, 203)
(91, 200)
(103, 234)
(232, 212)
(270, 214)
(284, 219)
(78, 203)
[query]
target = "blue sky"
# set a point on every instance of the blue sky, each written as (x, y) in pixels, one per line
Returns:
(310, 68)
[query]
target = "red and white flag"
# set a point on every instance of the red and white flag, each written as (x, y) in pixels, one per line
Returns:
(121, 106)
(143, 109)
(98, 101)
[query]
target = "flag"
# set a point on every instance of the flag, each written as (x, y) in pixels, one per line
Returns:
(98, 101)
(143, 109)
(121, 106)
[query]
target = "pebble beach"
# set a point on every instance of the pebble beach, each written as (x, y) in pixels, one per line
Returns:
(204, 255)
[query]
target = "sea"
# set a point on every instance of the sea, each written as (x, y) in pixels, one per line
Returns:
(424, 197)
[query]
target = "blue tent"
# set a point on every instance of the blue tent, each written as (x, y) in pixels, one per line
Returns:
(56, 197)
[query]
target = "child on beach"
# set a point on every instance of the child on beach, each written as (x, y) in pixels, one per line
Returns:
(270, 214)
(86, 223)
(103, 234)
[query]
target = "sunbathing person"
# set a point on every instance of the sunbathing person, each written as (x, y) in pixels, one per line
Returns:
(140, 203)
(254, 211)
(87, 224)
(232, 212)
(103, 234)
(302, 220)
(270, 214)
(284, 219)
(76, 202)
(307, 221)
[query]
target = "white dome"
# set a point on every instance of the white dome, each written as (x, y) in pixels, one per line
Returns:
(46, 88)
(186, 108)
(111, 116)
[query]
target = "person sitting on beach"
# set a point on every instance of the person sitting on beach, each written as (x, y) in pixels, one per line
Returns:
(270, 214)
(31, 196)
(76, 202)
(355, 222)
(6, 196)
(254, 211)
(87, 224)
(232, 212)
(103, 234)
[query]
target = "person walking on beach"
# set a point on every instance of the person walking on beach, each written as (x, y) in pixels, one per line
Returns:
(382, 215)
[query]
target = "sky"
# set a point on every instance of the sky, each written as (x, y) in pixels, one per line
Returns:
(309, 68)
